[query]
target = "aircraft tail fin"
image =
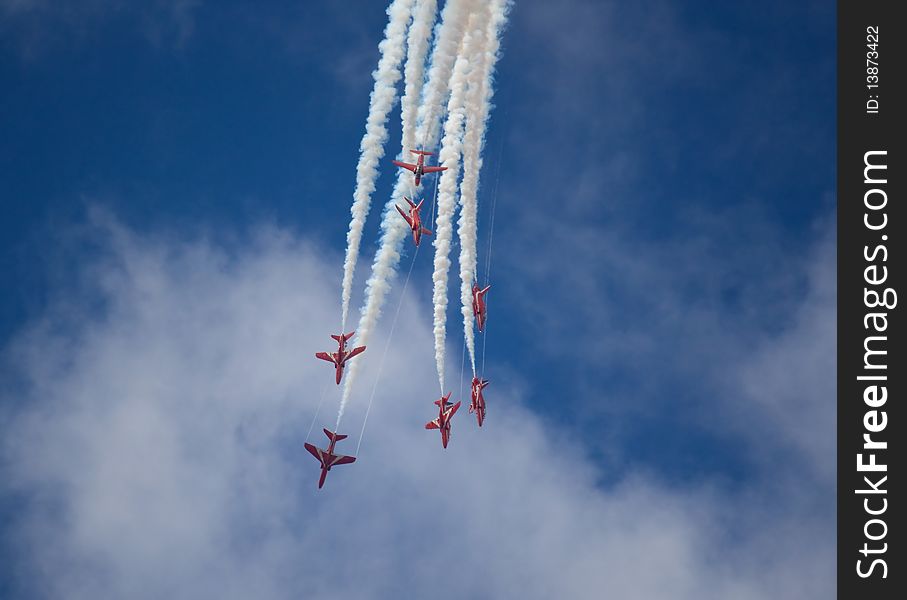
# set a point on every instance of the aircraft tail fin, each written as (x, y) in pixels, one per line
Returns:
(426, 231)
(334, 437)
(344, 336)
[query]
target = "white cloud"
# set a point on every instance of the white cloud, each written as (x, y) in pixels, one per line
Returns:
(790, 376)
(38, 25)
(159, 445)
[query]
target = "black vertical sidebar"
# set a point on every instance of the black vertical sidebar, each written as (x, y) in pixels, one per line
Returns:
(872, 369)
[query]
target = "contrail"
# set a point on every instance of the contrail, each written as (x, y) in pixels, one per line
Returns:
(478, 105)
(393, 229)
(383, 96)
(449, 156)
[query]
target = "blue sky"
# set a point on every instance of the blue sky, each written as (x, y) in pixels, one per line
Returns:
(661, 321)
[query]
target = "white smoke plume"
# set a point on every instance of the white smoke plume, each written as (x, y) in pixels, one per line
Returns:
(424, 14)
(451, 146)
(448, 35)
(449, 42)
(384, 95)
(478, 105)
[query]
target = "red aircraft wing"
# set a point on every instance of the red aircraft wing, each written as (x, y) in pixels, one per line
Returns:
(340, 459)
(409, 166)
(453, 410)
(433, 424)
(405, 216)
(427, 169)
(316, 452)
(324, 356)
(354, 352)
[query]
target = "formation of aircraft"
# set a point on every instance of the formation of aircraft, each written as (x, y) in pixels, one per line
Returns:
(478, 304)
(477, 403)
(419, 169)
(342, 355)
(414, 220)
(326, 457)
(446, 410)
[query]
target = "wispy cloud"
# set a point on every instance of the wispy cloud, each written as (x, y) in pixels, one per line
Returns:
(657, 251)
(34, 27)
(158, 444)
(789, 375)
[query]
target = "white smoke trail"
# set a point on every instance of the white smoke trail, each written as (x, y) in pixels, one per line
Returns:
(384, 94)
(449, 156)
(448, 35)
(478, 105)
(424, 14)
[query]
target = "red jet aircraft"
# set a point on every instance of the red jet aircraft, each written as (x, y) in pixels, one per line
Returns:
(477, 405)
(419, 169)
(445, 412)
(478, 304)
(327, 458)
(340, 357)
(414, 220)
